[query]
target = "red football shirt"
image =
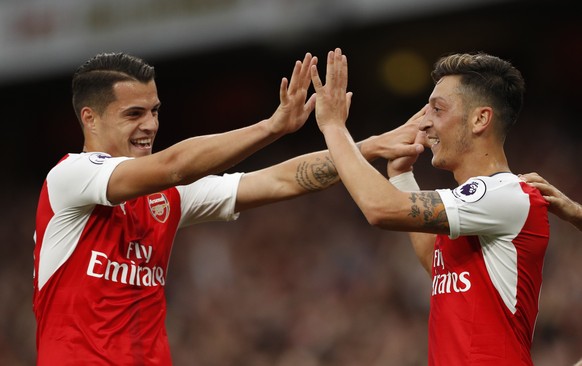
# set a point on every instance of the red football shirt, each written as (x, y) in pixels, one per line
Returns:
(487, 274)
(100, 270)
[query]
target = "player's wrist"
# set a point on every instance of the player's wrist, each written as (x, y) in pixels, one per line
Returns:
(273, 126)
(405, 182)
(366, 148)
(576, 218)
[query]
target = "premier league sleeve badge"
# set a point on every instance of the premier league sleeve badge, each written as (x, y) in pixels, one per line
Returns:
(471, 191)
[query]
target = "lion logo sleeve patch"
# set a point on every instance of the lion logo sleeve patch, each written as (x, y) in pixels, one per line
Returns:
(471, 191)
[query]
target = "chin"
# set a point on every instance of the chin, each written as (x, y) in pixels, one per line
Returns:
(140, 153)
(437, 163)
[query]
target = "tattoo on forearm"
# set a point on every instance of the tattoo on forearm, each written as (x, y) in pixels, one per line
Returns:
(316, 176)
(430, 206)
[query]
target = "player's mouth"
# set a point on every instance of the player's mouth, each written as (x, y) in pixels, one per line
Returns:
(144, 143)
(433, 141)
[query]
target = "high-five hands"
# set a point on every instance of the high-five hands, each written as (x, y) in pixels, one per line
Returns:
(332, 100)
(293, 109)
(332, 108)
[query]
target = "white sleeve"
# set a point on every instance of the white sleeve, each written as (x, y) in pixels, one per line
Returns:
(485, 206)
(81, 180)
(211, 198)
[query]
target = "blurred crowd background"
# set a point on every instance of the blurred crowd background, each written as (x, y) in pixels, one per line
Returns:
(305, 282)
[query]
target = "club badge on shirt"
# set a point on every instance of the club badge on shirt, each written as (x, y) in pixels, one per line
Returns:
(159, 206)
(471, 191)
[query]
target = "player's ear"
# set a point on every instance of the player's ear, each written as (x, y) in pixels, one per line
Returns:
(88, 117)
(481, 119)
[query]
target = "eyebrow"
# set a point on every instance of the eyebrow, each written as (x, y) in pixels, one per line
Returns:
(132, 109)
(140, 108)
(436, 99)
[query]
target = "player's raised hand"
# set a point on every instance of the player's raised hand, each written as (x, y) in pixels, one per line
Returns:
(407, 140)
(332, 102)
(560, 204)
(408, 143)
(293, 109)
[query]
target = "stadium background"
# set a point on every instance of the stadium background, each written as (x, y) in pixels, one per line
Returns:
(306, 282)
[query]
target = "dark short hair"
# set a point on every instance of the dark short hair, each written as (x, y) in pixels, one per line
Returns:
(486, 79)
(94, 80)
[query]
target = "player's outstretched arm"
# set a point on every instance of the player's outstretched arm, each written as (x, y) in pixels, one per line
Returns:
(560, 204)
(316, 171)
(191, 159)
(382, 204)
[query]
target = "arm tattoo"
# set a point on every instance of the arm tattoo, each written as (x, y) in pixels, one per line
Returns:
(314, 176)
(429, 206)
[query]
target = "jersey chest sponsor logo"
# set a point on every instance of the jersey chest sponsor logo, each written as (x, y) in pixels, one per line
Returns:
(159, 206)
(135, 269)
(449, 282)
(445, 283)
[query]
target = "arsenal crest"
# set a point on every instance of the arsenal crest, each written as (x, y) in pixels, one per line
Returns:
(159, 206)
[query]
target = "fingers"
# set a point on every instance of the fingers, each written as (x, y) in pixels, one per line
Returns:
(300, 78)
(532, 177)
(283, 95)
(418, 116)
(411, 151)
(315, 79)
(343, 68)
(298, 72)
(535, 180)
(549, 192)
(402, 157)
(547, 189)
(422, 139)
(349, 96)
(310, 104)
(330, 75)
(295, 75)
(337, 70)
(304, 77)
(336, 76)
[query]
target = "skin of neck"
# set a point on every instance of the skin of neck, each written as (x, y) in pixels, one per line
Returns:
(486, 157)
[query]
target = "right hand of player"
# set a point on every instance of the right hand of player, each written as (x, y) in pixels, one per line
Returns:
(406, 154)
(293, 109)
(332, 100)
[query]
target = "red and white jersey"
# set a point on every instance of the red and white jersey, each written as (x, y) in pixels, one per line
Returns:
(100, 270)
(487, 274)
